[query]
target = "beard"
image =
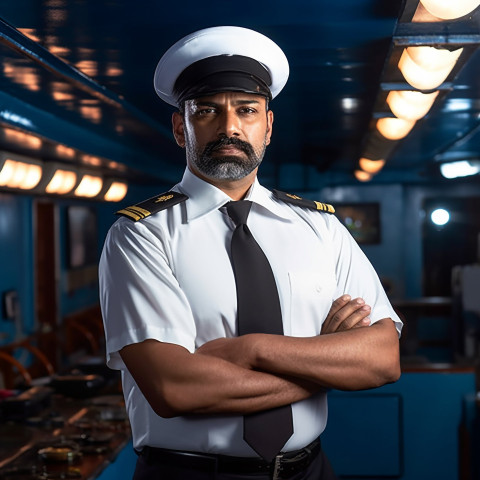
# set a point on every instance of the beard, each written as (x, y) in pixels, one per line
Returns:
(226, 167)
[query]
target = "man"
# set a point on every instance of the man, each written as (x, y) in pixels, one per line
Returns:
(170, 284)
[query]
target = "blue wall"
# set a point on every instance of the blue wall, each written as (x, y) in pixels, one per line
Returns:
(397, 259)
(17, 245)
(16, 259)
(409, 430)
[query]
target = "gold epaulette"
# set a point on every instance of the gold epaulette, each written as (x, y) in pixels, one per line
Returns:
(152, 205)
(303, 202)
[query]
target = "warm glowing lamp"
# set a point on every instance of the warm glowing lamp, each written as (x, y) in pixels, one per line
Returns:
(371, 166)
(20, 174)
(432, 58)
(394, 128)
(116, 192)
(450, 9)
(89, 186)
(62, 182)
(409, 104)
(362, 176)
(426, 67)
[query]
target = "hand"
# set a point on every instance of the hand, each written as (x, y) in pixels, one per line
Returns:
(345, 314)
(234, 350)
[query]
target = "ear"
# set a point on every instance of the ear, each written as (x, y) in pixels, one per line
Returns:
(269, 127)
(178, 130)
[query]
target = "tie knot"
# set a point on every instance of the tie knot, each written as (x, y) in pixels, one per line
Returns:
(238, 211)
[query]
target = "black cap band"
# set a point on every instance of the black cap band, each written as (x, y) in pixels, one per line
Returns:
(223, 73)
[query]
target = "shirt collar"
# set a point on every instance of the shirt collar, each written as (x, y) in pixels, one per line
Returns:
(204, 197)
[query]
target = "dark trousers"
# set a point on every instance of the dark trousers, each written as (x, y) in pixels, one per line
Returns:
(319, 469)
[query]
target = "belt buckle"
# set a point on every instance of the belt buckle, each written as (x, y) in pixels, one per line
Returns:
(277, 467)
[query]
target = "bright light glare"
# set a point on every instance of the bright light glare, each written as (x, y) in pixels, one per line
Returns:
(410, 104)
(89, 186)
(426, 67)
(440, 216)
(394, 128)
(449, 9)
(116, 192)
(371, 166)
(62, 182)
(362, 176)
(15, 174)
(463, 168)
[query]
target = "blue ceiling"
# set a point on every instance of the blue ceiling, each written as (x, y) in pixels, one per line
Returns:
(79, 73)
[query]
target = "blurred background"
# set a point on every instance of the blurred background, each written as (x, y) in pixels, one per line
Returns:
(380, 117)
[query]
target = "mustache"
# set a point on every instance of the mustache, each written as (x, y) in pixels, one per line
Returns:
(223, 141)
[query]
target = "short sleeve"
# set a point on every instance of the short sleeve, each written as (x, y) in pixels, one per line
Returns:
(140, 297)
(356, 275)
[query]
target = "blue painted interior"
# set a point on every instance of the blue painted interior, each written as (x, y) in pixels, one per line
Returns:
(409, 430)
(336, 50)
(84, 69)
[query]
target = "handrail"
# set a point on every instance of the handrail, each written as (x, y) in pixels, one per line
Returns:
(21, 369)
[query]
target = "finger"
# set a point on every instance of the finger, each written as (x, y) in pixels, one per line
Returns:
(348, 315)
(358, 318)
(337, 305)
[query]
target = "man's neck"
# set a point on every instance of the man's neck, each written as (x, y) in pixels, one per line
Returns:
(235, 189)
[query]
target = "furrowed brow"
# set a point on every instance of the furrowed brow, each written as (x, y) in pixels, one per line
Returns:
(205, 104)
(246, 102)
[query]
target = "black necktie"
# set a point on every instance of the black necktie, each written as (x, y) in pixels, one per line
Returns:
(258, 312)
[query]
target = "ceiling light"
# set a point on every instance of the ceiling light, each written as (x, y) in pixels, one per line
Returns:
(89, 186)
(116, 192)
(371, 166)
(433, 58)
(457, 104)
(409, 104)
(440, 216)
(62, 182)
(349, 104)
(450, 9)
(19, 172)
(362, 176)
(23, 139)
(394, 128)
(462, 168)
(57, 178)
(425, 67)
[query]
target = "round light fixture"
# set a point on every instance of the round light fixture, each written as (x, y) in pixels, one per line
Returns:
(450, 9)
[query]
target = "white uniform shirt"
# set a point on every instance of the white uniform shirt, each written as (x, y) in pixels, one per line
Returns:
(169, 277)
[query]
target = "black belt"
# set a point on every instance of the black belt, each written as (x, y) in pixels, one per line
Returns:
(283, 466)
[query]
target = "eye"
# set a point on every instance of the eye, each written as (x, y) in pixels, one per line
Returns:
(201, 112)
(247, 110)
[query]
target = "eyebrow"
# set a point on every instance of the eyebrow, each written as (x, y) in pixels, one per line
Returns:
(207, 103)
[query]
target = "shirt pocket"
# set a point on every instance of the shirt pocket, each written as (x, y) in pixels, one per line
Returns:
(310, 300)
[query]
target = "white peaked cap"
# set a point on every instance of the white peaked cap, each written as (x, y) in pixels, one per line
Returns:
(226, 43)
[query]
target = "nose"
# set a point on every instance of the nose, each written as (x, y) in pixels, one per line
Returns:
(229, 123)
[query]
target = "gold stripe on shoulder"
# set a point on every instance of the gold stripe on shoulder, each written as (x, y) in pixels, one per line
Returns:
(152, 205)
(303, 202)
(324, 207)
(129, 214)
(139, 210)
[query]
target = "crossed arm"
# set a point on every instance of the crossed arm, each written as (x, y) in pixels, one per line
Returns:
(257, 372)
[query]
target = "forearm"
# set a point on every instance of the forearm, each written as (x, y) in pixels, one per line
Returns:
(355, 359)
(177, 382)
